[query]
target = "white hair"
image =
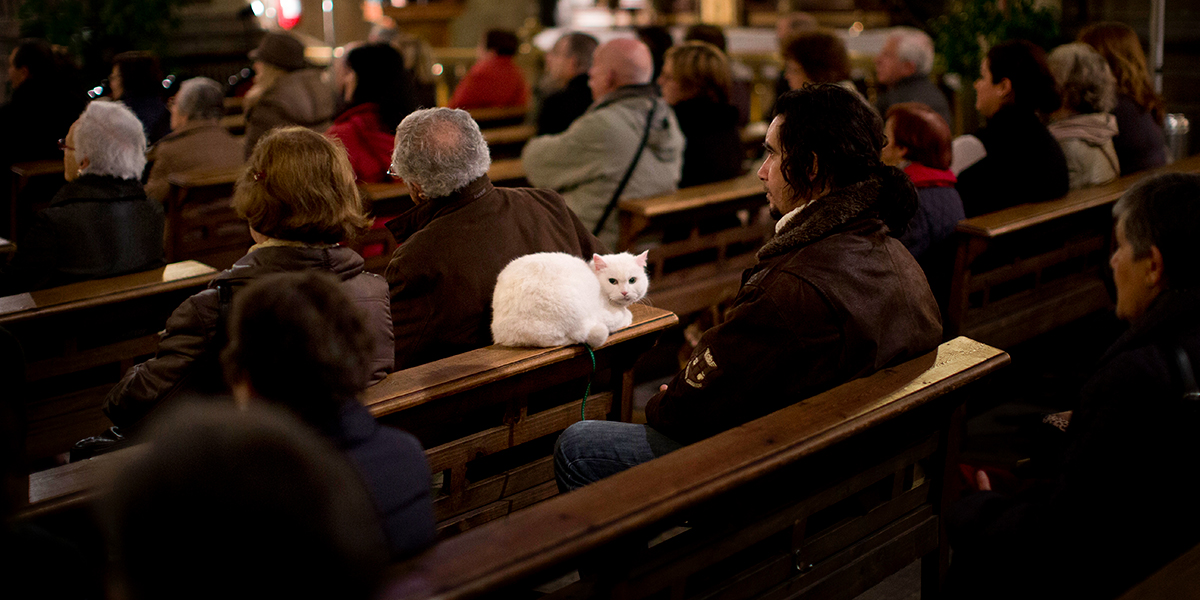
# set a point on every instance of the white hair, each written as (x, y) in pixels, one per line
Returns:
(110, 136)
(915, 47)
(441, 150)
(1084, 78)
(200, 98)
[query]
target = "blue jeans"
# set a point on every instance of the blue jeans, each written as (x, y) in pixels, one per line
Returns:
(589, 451)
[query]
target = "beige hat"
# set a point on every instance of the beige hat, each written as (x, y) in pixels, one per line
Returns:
(280, 50)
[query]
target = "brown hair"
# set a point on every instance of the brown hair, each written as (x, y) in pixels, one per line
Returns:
(299, 186)
(1119, 45)
(923, 132)
(701, 70)
(822, 55)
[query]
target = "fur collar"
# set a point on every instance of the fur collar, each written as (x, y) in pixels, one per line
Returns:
(888, 195)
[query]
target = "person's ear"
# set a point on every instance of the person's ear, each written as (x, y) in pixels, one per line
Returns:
(1155, 276)
(1006, 89)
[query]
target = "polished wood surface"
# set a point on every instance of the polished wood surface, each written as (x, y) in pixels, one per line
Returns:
(713, 488)
(37, 168)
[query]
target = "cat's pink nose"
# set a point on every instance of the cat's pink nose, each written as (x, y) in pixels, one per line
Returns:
(624, 293)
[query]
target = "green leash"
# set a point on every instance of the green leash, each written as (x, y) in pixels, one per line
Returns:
(587, 392)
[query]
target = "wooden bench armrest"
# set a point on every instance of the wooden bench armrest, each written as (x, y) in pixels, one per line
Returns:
(562, 528)
(1027, 215)
(694, 197)
(426, 383)
(98, 292)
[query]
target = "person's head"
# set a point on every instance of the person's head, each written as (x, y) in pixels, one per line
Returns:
(32, 59)
(279, 50)
(793, 24)
(657, 39)
(816, 57)
(703, 32)
(570, 56)
(1015, 74)
(377, 75)
(907, 52)
(242, 503)
(695, 69)
(501, 42)
(823, 137)
(198, 99)
(618, 63)
(1119, 45)
(107, 139)
(299, 186)
(1157, 222)
(135, 74)
(439, 151)
(916, 133)
(296, 340)
(1084, 79)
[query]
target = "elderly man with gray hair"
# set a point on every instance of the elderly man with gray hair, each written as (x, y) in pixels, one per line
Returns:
(460, 235)
(903, 67)
(197, 140)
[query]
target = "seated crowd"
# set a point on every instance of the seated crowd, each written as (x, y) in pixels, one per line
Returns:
(290, 480)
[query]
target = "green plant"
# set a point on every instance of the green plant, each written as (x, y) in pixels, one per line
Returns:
(95, 30)
(968, 28)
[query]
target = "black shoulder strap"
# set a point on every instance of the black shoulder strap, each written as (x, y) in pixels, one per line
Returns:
(1191, 392)
(628, 172)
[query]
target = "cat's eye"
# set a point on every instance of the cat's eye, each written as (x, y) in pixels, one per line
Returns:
(632, 279)
(612, 281)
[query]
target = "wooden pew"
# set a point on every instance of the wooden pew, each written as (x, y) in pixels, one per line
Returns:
(487, 419)
(200, 222)
(79, 339)
(704, 268)
(1178, 580)
(506, 142)
(1027, 269)
(33, 185)
(498, 116)
(822, 499)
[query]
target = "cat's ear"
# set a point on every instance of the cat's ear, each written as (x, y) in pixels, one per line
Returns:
(641, 259)
(598, 263)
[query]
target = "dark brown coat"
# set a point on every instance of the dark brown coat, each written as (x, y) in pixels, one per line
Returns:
(201, 145)
(451, 251)
(832, 298)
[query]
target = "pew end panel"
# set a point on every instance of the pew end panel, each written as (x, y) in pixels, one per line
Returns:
(79, 340)
(200, 222)
(819, 500)
(34, 184)
(488, 418)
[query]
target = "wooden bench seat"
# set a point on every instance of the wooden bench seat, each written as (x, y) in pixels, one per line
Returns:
(1027, 269)
(484, 417)
(79, 339)
(822, 499)
(712, 233)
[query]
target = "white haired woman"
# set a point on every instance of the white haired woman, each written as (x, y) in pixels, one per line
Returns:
(197, 139)
(1084, 126)
(100, 224)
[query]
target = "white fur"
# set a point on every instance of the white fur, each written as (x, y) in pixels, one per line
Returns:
(555, 299)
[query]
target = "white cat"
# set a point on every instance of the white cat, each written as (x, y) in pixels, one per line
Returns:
(555, 299)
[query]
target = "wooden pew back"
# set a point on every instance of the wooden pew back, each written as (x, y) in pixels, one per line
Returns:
(818, 500)
(200, 222)
(80, 339)
(484, 417)
(34, 184)
(710, 234)
(1027, 269)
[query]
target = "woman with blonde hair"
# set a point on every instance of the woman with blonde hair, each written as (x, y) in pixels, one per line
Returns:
(300, 201)
(1140, 143)
(286, 90)
(696, 82)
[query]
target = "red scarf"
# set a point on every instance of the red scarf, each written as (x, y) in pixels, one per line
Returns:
(924, 177)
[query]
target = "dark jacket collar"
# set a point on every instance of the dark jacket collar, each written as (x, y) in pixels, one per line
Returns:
(98, 188)
(343, 262)
(646, 90)
(888, 195)
(1172, 314)
(422, 214)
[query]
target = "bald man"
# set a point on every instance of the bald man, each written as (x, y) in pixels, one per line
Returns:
(587, 162)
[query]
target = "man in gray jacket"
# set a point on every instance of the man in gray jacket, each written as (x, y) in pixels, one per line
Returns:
(586, 162)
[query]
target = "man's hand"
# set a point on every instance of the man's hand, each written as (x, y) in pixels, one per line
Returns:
(982, 481)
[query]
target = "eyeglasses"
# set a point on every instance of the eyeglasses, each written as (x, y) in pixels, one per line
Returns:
(391, 172)
(62, 145)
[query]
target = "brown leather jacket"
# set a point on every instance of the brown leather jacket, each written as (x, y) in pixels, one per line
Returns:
(451, 251)
(832, 298)
(184, 361)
